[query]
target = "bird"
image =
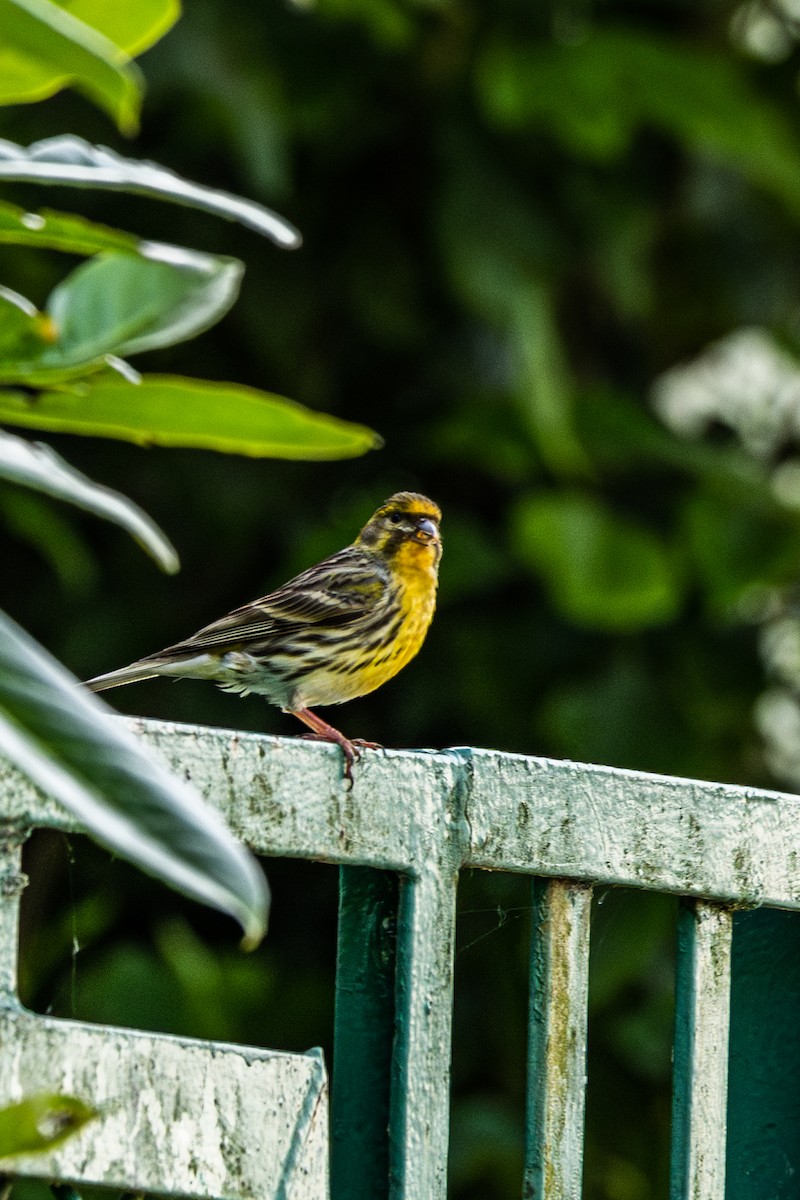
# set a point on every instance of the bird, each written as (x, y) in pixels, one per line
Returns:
(336, 631)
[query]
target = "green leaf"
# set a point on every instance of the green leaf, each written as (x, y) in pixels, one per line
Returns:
(68, 744)
(57, 540)
(48, 230)
(51, 47)
(133, 304)
(601, 570)
(72, 162)
(594, 96)
(388, 22)
(167, 410)
(496, 244)
(545, 389)
(125, 304)
(39, 467)
(741, 550)
(134, 26)
(41, 1122)
(23, 329)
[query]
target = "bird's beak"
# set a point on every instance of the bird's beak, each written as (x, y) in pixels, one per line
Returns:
(427, 530)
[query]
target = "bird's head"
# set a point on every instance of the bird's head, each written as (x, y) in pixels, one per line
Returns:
(406, 524)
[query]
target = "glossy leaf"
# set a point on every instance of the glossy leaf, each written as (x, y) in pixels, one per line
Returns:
(50, 230)
(124, 304)
(167, 410)
(23, 329)
(68, 744)
(132, 27)
(164, 295)
(600, 569)
(51, 47)
(72, 162)
(39, 467)
(41, 1122)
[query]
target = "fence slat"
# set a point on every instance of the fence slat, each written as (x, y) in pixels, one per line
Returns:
(559, 983)
(606, 825)
(763, 1155)
(176, 1116)
(363, 1034)
(700, 1071)
(538, 816)
(420, 1115)
(12, 882)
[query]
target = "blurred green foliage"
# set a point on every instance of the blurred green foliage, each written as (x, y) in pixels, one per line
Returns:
(516, 218)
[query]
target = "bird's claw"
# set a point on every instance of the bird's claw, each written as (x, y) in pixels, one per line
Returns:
(351, 750)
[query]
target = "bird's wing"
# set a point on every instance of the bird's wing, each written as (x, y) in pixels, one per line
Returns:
(336, 592)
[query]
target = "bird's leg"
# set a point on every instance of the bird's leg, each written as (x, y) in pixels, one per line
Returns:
(323, 732)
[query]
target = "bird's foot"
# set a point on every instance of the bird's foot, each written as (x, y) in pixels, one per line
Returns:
(323, 732)
(350, 749)
(362, 745)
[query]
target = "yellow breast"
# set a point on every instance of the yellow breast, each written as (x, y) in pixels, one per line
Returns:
(414, 571)
(416, 567)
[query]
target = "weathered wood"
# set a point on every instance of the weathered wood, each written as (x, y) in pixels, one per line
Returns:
(700, 1068)
(559, 983)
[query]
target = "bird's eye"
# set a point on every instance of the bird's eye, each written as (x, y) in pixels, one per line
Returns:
(395, 518)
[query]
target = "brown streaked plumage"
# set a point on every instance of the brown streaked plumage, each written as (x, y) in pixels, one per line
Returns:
(337, 631)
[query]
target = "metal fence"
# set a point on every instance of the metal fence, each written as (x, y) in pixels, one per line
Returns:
(198, 1119)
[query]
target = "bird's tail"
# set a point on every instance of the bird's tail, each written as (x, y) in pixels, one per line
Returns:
(132, 674)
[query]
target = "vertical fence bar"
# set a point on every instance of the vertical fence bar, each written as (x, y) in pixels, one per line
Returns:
(420, 1119)
(12, 881)
(559, 988)
(363, 1034)
(763, 1155)
(700, 1070)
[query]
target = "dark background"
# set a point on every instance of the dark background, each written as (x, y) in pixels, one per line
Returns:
(516, 217)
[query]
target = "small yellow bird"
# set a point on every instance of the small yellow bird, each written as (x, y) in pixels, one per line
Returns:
(336, 631)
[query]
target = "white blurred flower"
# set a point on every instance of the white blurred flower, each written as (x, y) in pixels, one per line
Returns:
(779, 643)
(785, 483)
(745, 381)
(759, 30)
(777, 718)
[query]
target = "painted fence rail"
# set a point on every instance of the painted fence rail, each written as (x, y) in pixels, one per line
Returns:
(257, 1122)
